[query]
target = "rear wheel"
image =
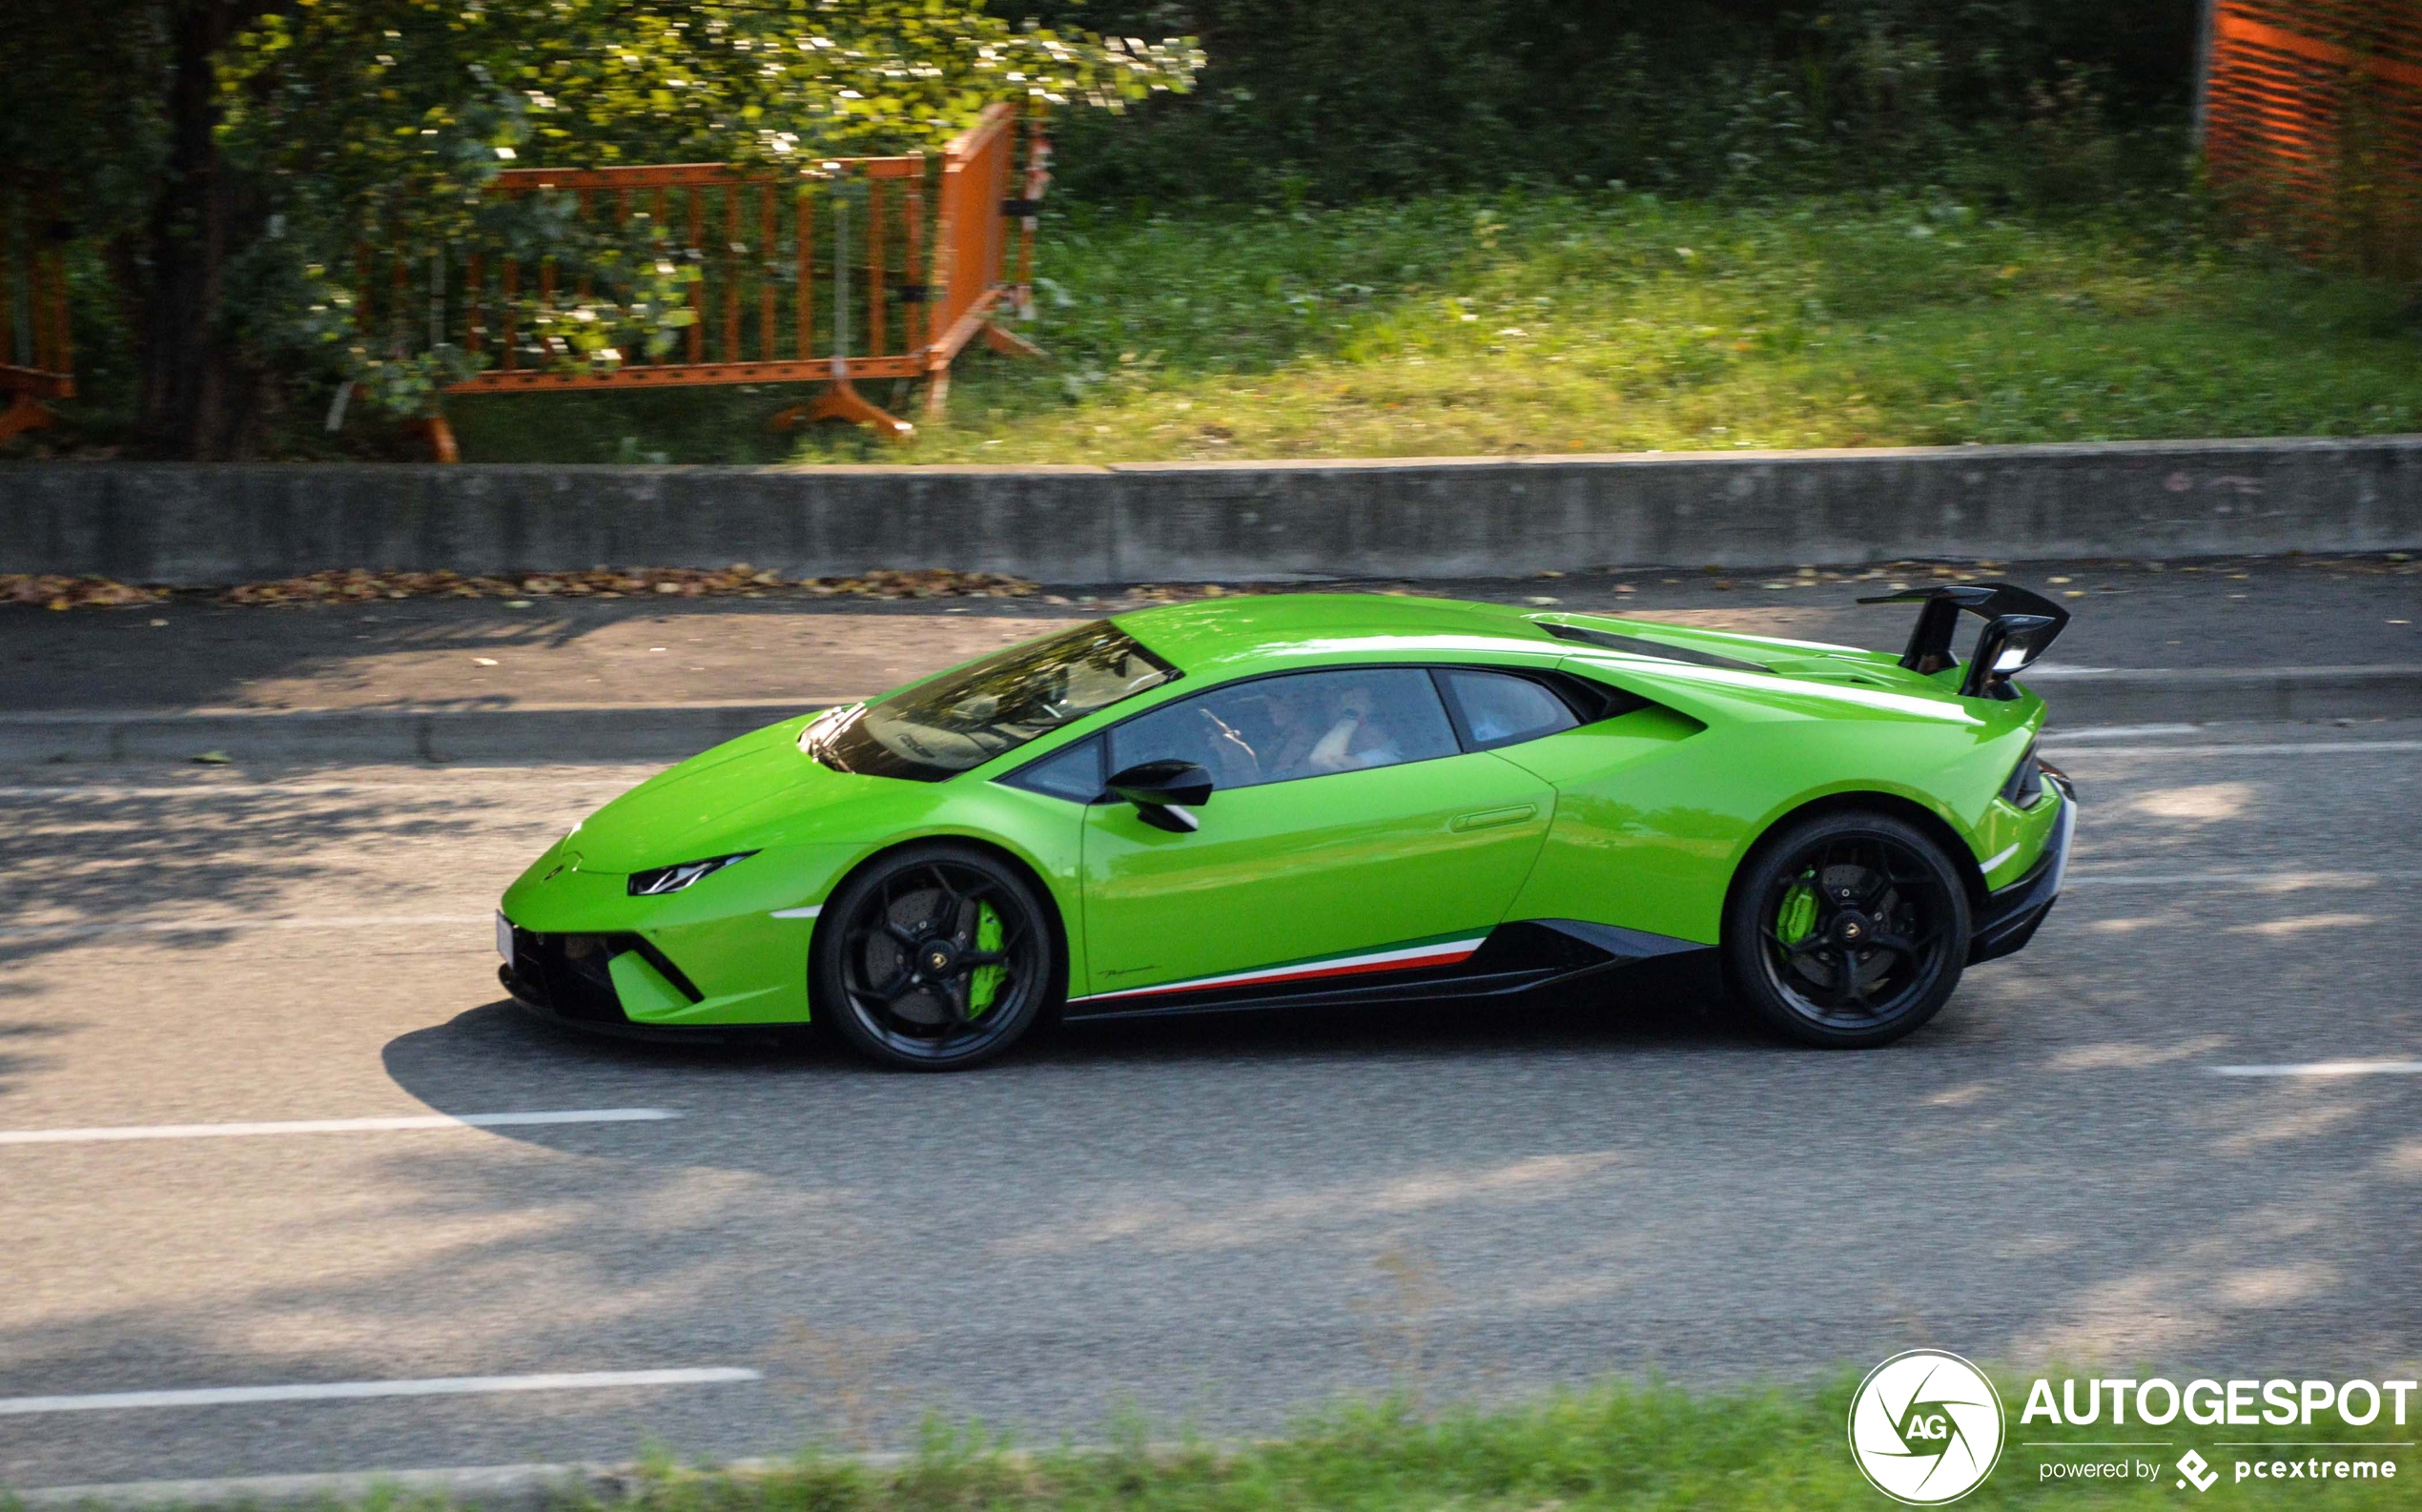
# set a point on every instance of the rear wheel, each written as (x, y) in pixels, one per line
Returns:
(1847, 931)
(934, 957)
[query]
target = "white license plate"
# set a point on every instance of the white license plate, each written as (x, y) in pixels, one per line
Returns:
(505, 937)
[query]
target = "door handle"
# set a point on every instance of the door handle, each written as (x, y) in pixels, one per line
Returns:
(1492, 818)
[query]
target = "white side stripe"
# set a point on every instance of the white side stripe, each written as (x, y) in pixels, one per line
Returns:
(1302, 968)
(309, 1126)
(1987, 866)
(357, 1390)
(807, 912)
(2328, 1068)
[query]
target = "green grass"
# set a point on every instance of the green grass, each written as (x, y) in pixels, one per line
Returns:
(1534, 325)
(1633, 1448)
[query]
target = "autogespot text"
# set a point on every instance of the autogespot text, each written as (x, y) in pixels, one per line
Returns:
(2276, 1403)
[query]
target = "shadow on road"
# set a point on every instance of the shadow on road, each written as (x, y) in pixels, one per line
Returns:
(488, 1058)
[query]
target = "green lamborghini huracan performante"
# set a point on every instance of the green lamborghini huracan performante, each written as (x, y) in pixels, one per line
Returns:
(1301, 799)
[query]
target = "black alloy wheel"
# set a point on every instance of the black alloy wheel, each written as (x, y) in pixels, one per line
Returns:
(1847, 931)
(934, 957)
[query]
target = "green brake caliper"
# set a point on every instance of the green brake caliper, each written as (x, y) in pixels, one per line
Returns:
(1798, 916)
(984, 983)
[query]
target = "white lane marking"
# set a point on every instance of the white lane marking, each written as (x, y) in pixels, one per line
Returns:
(358, 1390)
(2326, 1068)
(311, 1126)
(208, 925)
(807, 912)
(2264, 748)
(2284, 881)
(437, 788)
(2100, 732)
(1987, 866)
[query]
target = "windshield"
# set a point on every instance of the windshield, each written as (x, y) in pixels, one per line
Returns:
(964, 718)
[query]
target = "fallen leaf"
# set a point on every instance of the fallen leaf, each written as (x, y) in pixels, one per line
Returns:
(215, 758)
(55, 592)
(355, 585)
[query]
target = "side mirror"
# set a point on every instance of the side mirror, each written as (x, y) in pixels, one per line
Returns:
(1161, 793)
(2006, 646)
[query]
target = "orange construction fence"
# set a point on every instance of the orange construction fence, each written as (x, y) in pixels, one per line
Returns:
(2312, 122)
(858, 269)
(37, 361)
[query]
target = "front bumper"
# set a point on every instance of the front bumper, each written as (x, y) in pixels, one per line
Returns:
(569, 979)
(2010, 917)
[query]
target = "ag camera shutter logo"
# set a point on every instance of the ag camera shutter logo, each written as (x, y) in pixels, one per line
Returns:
(1925, 1427)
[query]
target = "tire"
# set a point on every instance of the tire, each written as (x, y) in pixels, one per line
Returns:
(899, 964)
(1846, 930)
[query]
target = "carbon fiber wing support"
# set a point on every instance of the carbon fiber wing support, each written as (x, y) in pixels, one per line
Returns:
(2019, 621)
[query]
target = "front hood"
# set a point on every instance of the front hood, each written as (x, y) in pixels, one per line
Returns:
(747, 794)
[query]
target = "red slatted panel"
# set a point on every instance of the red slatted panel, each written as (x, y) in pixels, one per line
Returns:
(38, 360)
(2314, 123)
(731, 225)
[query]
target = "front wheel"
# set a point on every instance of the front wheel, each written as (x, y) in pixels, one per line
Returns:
(934, 957)
(1847, 931)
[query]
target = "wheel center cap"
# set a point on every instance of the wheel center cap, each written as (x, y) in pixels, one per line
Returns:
(1852, 929)
(937, 958)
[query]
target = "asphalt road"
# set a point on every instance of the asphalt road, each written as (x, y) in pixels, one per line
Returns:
(1216, 1224)
(2216, 612)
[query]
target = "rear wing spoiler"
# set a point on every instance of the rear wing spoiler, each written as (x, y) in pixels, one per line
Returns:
(2020, 626)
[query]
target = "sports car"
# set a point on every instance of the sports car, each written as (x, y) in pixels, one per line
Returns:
(1301, 799)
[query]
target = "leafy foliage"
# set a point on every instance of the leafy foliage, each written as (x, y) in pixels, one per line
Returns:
(1353, 98)
(303, 129)
(384, 120)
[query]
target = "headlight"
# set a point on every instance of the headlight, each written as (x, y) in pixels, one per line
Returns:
(672, 879)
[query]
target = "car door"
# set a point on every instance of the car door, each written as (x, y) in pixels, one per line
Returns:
(1347, 821)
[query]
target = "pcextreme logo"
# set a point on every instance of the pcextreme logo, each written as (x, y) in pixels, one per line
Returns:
(1925, 1427)
(2193, 1469)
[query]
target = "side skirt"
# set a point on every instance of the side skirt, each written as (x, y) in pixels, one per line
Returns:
(1524, 956)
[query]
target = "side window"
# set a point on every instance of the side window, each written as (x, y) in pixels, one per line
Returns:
(1276, 729)
(1498, 708)
(1075, 773)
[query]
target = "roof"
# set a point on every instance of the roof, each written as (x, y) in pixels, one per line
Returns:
(1250, 634)
(1229, 631)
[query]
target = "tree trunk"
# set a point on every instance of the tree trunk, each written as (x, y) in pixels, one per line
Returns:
(198, 396)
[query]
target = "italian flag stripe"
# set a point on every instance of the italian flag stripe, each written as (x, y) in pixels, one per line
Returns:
(1396, 958)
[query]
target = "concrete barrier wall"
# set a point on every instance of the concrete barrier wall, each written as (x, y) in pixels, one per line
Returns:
(1437, 518)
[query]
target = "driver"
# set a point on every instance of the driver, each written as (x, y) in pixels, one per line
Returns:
(1335, 733)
